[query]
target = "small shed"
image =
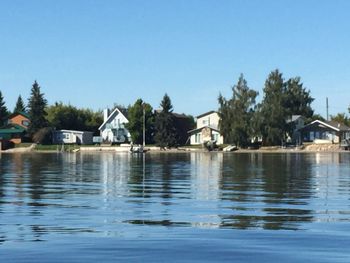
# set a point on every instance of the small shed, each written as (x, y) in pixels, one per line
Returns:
(72, 137)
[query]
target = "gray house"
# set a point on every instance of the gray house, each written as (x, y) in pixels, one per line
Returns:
(325, 132)
(72, 137)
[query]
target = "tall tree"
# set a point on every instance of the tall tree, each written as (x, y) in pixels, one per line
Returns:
(36, 109)
(136, 118)
(60, 116)
(273, 115)
(236, 113)
(341, 118)
(3, 110)
(298, 100)
(165, 131)
(20, 107)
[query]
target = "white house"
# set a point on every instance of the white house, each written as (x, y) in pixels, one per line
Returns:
(207, 129)
(72, 137)
(113, 128)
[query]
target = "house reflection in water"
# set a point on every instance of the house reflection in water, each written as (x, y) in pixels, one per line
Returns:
(206, 171)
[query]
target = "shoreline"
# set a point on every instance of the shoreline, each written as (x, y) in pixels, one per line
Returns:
(119, 149)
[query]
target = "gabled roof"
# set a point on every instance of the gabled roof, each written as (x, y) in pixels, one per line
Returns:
(201, 128)
(19, 113)
(116, 110)
(336, 126)
(204, 114)
(12, 128)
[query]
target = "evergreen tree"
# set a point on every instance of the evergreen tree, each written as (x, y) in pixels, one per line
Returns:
(20, 107)
(36, 109)
(135, 125)
(165, 131)
(298, 100)
(273, 115)
(341, 118)
(236, 114)
(3, 110)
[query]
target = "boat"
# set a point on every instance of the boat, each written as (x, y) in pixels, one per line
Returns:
(230, 148)
(137, 149)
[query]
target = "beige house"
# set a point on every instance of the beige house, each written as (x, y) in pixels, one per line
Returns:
(207, 129)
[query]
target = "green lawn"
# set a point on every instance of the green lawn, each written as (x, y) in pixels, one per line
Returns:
(56, 147)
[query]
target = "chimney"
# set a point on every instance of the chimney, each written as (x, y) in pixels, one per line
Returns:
(105, 114)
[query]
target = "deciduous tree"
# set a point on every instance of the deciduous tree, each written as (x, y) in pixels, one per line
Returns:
(136, 118)
(61, 116)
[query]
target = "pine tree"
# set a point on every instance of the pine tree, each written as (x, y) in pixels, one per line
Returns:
(165, 125)
(3, 110)
(273, 115)
(20, 107)
(298, 100)
(36, 109)
(236, 114)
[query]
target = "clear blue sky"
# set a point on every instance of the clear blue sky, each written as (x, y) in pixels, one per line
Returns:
(97, 53)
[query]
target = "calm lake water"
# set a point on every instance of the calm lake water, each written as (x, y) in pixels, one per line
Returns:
(190, 207)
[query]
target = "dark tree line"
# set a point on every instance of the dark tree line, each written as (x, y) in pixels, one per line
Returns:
(162, 127)
(242, 119)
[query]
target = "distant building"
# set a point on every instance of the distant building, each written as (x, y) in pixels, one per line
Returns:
(15, 128)
(113, 128)
(207, 129)
(325, 132)
(19, 118)
(71, 137)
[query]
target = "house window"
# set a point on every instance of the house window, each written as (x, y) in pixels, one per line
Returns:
(25, 123)
(198, 138)
(66, 136)
(215, 137)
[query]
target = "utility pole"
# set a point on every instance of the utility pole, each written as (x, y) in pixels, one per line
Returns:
(144, 126)
(327, 107)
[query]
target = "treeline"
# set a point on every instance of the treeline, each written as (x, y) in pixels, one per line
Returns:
(242, 119)
(162, 127)
(57, 116)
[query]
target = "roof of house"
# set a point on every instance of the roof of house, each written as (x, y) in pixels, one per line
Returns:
(330, 124)
(73, 131)
(121, 111)
(19, 113)
(178, 115)
(12, 128)
(201, 128)
(204, 114)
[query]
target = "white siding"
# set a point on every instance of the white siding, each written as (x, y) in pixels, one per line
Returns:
(211, 120)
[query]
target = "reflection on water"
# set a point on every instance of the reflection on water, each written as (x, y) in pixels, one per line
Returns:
(43, 195)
